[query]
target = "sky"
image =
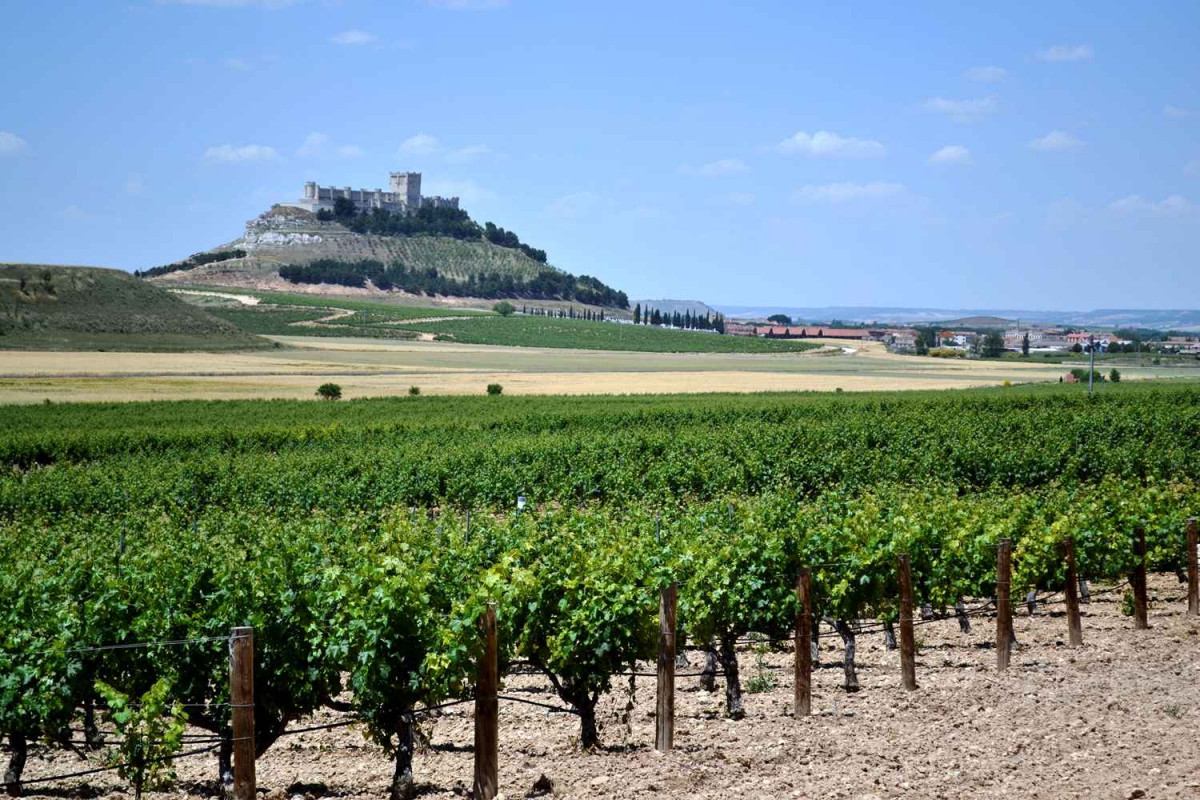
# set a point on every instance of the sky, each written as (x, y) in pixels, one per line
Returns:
(758, 153)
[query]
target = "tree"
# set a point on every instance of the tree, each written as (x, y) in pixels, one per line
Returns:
(414, 391)
(343, 209)
(1077, 348)
(1025, 344)
(494, 389)
(329, 391)
(504, 308)
(780, 319)
(993, 345)
(1115, 375)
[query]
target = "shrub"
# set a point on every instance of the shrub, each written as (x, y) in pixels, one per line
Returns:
(150, 731)
(1115, 376)
(413, 391)
(504, 308)
(329, 391)
(495, 389)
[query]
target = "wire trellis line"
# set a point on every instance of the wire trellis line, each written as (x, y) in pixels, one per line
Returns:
(97, 770)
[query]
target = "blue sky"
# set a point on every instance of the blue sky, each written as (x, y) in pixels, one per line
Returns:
(1045, 156)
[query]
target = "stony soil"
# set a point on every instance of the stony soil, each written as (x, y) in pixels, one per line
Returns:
(1118, 718)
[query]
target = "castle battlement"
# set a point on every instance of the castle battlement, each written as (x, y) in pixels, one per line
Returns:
(403, 196)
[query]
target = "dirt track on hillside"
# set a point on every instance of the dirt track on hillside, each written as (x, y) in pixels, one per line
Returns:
(1118, 717)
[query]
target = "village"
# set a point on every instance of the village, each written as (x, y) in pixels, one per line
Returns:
(1025, 340)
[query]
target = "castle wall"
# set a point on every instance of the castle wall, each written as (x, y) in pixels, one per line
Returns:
(405, 196)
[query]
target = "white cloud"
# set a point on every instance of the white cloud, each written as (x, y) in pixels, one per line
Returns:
(1173, 206)
(468, 192)
(986, 74)
(1056, 141)
(715, 169)
(741, 198)
(73, 211)
(314, 144)
(11, 144)
(420, 145)
(826, 144)
(319, 145)
(239, 64)
(962, 110)
(1175, 112)
(573, 206)
(353, 37)
(134, 185)
(837, 193)
(240, 154)
(469, 153)
(1192, 170)
(954, 154)
(467, 5)
(1060, 53)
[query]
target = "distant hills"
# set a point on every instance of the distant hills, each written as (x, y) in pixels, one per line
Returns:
(89, 308)
(1162, 319)
(697, 308)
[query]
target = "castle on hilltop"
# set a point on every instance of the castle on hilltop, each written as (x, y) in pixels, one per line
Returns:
(404, 196)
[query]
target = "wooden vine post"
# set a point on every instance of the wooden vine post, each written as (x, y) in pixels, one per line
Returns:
(1003, 604)
(1192, 570)
(664, 721)
(1140, 622)
(908, 644)
(1071, 590)
(487, 712)
(802, 700)
(241, 700)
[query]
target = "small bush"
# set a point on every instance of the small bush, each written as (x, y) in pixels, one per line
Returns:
(495, 389)
(413, 391)
(504, 308)
(329, 391)
(1115, 376)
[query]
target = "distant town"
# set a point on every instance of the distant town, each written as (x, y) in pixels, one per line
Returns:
(1025, 340)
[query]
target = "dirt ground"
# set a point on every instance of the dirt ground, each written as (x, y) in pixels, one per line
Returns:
(1117, 718)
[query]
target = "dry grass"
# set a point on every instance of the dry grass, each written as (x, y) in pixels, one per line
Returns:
(374, 368)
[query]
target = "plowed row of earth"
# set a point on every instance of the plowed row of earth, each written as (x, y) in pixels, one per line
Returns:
(1117, 718)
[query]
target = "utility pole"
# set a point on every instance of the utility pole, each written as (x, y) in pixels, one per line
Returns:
(1092, 362)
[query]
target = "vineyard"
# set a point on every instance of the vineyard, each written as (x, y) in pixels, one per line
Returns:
(365, 543)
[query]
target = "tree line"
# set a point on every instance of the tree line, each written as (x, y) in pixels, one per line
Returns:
(548, 284)
(191, 262)
(428, 220)
(504, 238)
(673, 319)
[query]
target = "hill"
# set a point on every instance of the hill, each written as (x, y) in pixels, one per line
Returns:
(977, 322)
(90, 308)
(343, 256)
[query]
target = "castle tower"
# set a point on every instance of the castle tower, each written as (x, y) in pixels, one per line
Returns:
(408, 186)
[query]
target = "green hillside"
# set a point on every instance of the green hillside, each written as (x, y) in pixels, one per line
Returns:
(90, 308)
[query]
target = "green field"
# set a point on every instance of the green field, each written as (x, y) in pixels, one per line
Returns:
(378, 319)
(522, 331)
(342, 532)
(88, 308)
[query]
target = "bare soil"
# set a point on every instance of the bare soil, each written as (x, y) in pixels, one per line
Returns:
(1117, 718)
